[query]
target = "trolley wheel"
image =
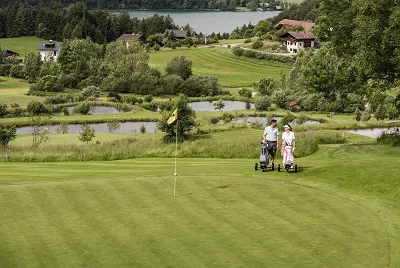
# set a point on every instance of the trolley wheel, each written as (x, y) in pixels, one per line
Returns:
(256, 166)
(263, 170)
(273, 167)
(279, 168)
(295, 168)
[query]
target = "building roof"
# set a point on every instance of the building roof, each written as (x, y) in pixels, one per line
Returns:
(179, 33)
(299, 35)
(49, 46)
(307, 26)
(130, 37)
(11, 53)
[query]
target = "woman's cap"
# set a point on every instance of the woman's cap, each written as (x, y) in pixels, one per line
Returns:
(286, 126)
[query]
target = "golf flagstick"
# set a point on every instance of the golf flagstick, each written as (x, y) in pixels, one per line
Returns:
(176, 153)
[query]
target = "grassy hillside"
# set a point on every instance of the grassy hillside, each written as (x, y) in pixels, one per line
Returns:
(21, 45)
(13, 91)
(230, 70)
(333, 213)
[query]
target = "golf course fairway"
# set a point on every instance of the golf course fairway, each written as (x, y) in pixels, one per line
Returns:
(225, 214)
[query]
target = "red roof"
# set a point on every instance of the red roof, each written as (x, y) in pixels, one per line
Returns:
(129, 37)
(305, 24)
(299, 35)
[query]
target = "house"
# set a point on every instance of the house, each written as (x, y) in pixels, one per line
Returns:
(49, 50)
(132, 37)
(307, 26)
(295, 41)
(179, 34)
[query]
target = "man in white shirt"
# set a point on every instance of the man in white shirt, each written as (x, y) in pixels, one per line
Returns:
(271, 137)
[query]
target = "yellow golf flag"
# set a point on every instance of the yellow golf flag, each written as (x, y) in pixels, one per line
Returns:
(173, 117)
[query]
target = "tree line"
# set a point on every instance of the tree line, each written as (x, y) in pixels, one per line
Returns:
(153, 4)
(58, 22)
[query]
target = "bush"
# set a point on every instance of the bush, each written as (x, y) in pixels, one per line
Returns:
(5, 69)
(380, 113)
(257, 44)
(65, 111)
(196, 86)
(49, 83)
(58, 99)
(36, 108)
(244, 92)
(238, 51)
(17, 71)
(156, 47)
(14, 105)
(82, 108)
(130, 99)
(172, 84)
(90, 81)
(214, 120)
(390, 137)
(179, 65)
(357, 115)
(227, 117)
(3, 109)
(262, 103)
(7, 134)
(148, 98)
(287, 119)
(69, 80)
(91, 91)
(114, 96)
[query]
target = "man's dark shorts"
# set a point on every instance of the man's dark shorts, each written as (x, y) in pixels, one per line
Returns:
(271, 145)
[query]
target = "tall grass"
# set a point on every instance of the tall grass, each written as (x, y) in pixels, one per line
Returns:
(390, 138)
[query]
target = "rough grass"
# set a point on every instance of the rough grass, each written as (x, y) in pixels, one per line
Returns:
(21, 45)
(13, 91)
(230, 70)
(333, 213)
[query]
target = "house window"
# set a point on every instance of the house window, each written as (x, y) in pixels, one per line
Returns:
(290, 49)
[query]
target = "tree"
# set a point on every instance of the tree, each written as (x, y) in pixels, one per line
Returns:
(196, 86)
(7, 134)
(244, 92)
(219, 105)
(91, 91)
(252, 5)
(87, 134)
(82, 108)
(262, 103)
(265, 86)
(185, 121)
(380, 113)
(179, 65)
(113, 126)
(32, 64)
(40, 129)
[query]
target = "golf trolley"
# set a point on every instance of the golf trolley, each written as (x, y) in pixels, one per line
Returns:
(264, 158)
(288, 159)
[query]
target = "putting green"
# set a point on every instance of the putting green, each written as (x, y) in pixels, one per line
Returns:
(122, 213)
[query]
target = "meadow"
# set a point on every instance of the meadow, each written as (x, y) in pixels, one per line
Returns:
(231, 70)
(332, 213)
(12, 90)
(21, 45)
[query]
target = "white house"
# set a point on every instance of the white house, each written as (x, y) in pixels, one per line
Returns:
(49, 50)
(295, 41)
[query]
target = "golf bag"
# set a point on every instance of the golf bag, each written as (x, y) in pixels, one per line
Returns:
(288, 157)
(264, 157)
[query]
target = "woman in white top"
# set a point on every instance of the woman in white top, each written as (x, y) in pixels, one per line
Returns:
(288, 138)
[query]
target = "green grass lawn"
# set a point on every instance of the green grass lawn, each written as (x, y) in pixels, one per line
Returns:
(231, 71)
(21, 45)
(332, 213)
(12, 90)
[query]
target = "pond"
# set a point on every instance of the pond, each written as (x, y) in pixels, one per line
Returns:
(208, 106)
(263, 120)
(373, 132)
(208, 21)
(98, 110)
(125, 128)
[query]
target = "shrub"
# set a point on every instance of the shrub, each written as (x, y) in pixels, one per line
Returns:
(90, 81)
(179, 65)
(280, 98)
(380, 113)
(59, 98)
(357, 115)
(257, 44)
(248, 40)
(114, 96)
(238, 51)
(262, 103)
(5, 69)
(82, 108)
(390, 137)
(91, 91)
(148, 98)
(130, 99)
(227, 117)
(142, 129)
(214, 120)
(156, 47)
(36, 108)
(65, 111)
(287, 119)
(256, 125)
(14, 105)
(17, 71)
(172, 84)
(86, 134)
(3, 109)
(244, 92)
(49, 83)
(69, 80)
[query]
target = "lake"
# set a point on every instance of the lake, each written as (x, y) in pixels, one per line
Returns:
(208, 21)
